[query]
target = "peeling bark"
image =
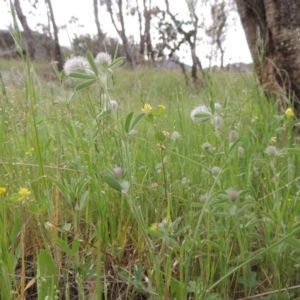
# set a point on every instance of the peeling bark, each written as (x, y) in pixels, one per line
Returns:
(272, 29)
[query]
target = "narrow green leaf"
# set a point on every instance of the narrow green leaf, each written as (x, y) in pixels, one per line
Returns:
(35, 208)
(293, 150)
(234, 145)
(212, 106)
(125, 276)
(45, 264)
(136, 120)
(116, 62)
(61, 187)
(67, 227)
(128, 122)
(62, 75)
(75, 247)
(84, 84)
(82, 76)
(92, 63)
(62, 244)
(138, 273)
(46, 279)
(113, 183)
(16, 228)
(202, 117)
(293, 242)
(83, 201)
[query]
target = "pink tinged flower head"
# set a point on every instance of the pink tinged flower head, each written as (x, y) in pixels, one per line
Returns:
(241, 151)
(203, 198)
(118, 172)
(271, 150)
(114, 105)
(206, 146)
(215, 171)
(76, 64)
(233, 195)
(233, 135)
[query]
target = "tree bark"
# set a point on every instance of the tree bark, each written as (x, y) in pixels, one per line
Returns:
(147, 35)
(142, 40)
(121, 32)
(57, 51)
(99, 31)
(272, 29)
(26, 29)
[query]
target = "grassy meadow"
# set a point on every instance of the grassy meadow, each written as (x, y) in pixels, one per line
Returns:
(145, 197)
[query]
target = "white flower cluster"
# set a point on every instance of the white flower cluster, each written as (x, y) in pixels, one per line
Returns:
(76, 64)
(202, 113)
(79, 64)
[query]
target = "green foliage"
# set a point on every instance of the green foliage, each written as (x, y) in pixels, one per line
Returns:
(47, 282)
(142, 196)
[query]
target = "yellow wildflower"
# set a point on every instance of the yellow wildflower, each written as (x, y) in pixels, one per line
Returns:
(29, 152)
(154, 227)
(147, 108)
(2, 190)
(24, 192)
(166, 134)
(289, 113)
(161, 106)
(273, 140)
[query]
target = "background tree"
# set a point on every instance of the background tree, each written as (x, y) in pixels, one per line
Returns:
(177, 32)
(273, 35)
(121, 27)
(100, 34)
(148, 11)
(27, 32)
(217, 30)
(56, 50)
(144, 15)
(85, 42)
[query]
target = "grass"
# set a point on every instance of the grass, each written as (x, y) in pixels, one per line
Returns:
(180, 221)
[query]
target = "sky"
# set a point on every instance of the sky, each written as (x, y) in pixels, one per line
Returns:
(236, 48)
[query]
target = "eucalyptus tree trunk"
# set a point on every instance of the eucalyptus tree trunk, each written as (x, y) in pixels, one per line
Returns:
(147, 35)
(57, 51)
(142, 37)
(100, 33)
(26, 29)
(272, 29)
(121, 32)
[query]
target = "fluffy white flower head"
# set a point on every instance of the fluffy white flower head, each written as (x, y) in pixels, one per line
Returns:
(198, 110)
(76, 64)
(103, 60)
(216, 121)
(175, 135)
(218, 107)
